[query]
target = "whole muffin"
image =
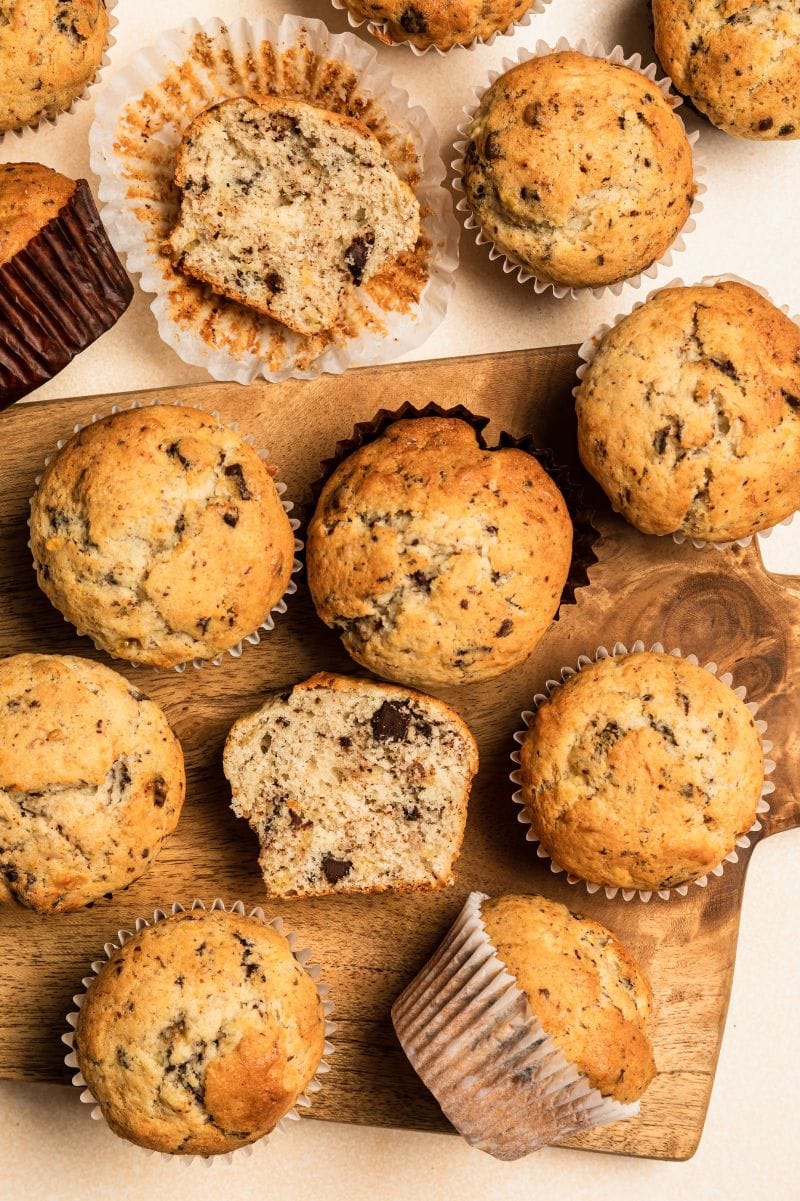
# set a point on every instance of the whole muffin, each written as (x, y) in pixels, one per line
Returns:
(583, 985)
(441, 23)
(689, 414)
(49, 53)
(641, 772)
(200, 1033)
(160, 534)
(578, 169)
(439, 562)
(91, 781)
(738, 61)
(61, 284)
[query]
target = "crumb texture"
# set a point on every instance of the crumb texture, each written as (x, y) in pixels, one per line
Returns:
(578, 169)
(286, 208)
(583, 985)
(442, 23)
(352, 786)
(160, 534)
(200, 1033)
(689, 414)
(738, 61)
(641, 772)
(439, 562)
(91, 781)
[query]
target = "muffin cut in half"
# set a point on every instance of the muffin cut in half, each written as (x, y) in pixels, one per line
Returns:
(352, 786)
(286, 207)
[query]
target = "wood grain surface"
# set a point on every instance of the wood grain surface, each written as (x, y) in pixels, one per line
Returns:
(720, 604)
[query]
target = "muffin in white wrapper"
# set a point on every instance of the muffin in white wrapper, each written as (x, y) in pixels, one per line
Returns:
(302, 956)
(471, 222)
(380, 30)
(619, 649)
(588, 349)
(140, 119)
(469, 1033)
(268, 624)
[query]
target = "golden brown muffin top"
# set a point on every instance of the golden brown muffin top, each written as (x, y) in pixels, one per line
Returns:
(583, 985)
(442, 23)
(31, 195)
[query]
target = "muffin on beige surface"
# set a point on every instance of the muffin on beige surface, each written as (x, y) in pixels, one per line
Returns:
(737, 60)
(439, 562)
(200, 1033)
(689, 414)
(160, 534)
(352, 786)
(641, 772)
(441, 23)
(91, 781)
(578, 169)
(50, 51)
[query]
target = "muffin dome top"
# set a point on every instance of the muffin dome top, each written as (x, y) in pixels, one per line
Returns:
(689, 414)
(91, 781)
(200, 1033)
(641, 772)
(159, 532)
(31, 195)
(579, 169)
(49, 52)
(739, 61)
(438, 561)
(442, 23)
(583, 985)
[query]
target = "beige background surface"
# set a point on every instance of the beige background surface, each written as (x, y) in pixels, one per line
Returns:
(48, 1146)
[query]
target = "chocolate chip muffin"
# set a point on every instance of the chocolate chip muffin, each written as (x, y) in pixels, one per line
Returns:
(200, 1033)
(61, 284)
(160, 534)
(689, 414)
(352, 786)
(50, 51)
(641, 772)
(91, 781)
(439, 562)
(440, 23)
(578, 169)
(738, 61)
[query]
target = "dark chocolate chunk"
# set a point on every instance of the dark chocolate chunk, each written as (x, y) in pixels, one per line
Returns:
(786, 131)
(159, 786)
(335, 869)
(274, 282)
(491, 148)
(231, 519)
(792, 401)
(531, 113)
(174, 452)
(235, 471)
(765, 124)
(726, 367)
(356, 256)
(390, 722)
(505, 629)
(412, 20)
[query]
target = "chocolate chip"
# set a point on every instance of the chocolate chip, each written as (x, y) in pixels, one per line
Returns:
(505, 629)
(174, 452)
(610, 734)
(491, 148)
(411, 813)
(545, 992)
(390, 722)
(335, 869)
(765, 123)
(180, 524)
(665, 731)
(726, 367)
(58, 519)
(529, 194)
(660, 440)
(356, 256)
(231, 519)
(235, 471)
(785, 131)
(792, 401)
(531, 113)
(274, 282)
(122, 1059)
(159, 786)
(345, 743)
(412, 20)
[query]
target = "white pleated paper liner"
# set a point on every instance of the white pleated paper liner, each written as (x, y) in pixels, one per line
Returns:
(85, 94)
(524, 273)
(470, 1035)
(301, 955)
(268, 624)
(588, 350)
(140, 119)
(617, 651)
(380, 30)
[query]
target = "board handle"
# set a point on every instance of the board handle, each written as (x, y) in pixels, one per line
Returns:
(785, 813)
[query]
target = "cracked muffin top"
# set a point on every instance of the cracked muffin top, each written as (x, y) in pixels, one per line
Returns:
(200, 1033)
(578, 169)
(442, 23)
(160, 534)
(91, 781)
(49, 53)
(738, 61)
(689, 414)
(438, 562)
(30, 197)
(641, 772)
(583, 985)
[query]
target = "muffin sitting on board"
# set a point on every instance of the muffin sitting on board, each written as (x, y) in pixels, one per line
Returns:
(739, 62)
(641, 772)
(91, 781)
(439, 562)
(200, 1033)
(528, 1024)
(425, 23)
(689, 413)
(337, 212)
(352, 786)
(578, 169)
(160, 534)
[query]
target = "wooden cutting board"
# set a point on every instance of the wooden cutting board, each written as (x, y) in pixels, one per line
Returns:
(721, 605)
